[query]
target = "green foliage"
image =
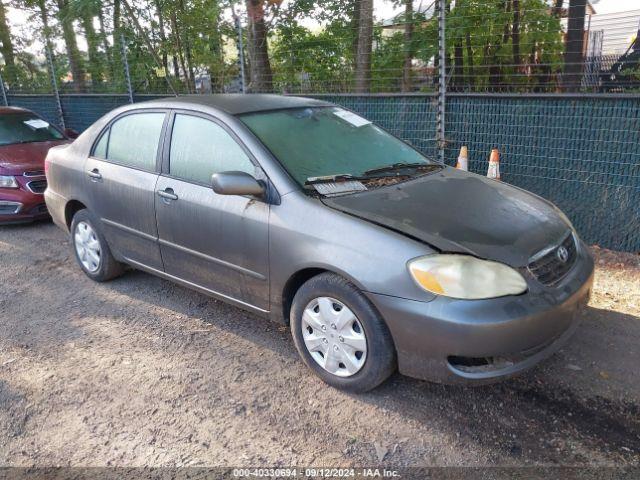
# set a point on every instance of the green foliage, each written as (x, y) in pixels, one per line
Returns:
(311, 45)
(304, 61)
(489, 25)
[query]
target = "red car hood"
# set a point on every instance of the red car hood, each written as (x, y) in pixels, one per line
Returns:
(21, 157)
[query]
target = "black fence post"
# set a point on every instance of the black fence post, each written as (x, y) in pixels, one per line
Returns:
(4, 92)
(54, 86)
(442, 80)
(125, 64)
(240, 46)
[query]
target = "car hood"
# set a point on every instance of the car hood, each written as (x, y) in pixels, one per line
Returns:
(21, 157)
(456, 211)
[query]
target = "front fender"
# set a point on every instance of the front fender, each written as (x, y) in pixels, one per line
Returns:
(304, 233)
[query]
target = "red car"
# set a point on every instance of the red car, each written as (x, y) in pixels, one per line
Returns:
(25, 139)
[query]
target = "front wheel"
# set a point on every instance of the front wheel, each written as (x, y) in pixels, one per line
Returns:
(340, 335)
(91, 249)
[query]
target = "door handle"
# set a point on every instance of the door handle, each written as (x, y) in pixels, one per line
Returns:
(95, 174)
(167, 194)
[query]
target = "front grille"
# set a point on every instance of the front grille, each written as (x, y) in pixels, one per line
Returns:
(550, 266)
(9, 208)
(34, 173)
(37, 186)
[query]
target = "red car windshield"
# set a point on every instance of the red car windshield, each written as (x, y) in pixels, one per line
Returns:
(26, 128)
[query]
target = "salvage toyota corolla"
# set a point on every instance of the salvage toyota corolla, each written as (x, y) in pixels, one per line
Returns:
(305, 212)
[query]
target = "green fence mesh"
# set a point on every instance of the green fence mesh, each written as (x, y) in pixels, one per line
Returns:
(580, 152)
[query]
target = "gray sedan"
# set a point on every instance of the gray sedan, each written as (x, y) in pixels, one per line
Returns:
(296, 209)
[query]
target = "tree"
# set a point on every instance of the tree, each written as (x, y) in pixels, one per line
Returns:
(10, 70)
(515, 34)
(163, 35)
(260, 74)
(408, 46)
(363, 53)
(573, 58)
(86, 11)
(76, 64)
(556, 9)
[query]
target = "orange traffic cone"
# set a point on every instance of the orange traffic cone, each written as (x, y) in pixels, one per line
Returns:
(494, 165)
(463, 159)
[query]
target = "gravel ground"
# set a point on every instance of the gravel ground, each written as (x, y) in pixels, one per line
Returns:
(141, 372)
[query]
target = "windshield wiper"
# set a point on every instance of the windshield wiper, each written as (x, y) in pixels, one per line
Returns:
(330, 178)
(400, 166)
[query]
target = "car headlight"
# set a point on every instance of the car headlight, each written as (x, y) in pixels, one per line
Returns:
(465, 277)
(8, 181)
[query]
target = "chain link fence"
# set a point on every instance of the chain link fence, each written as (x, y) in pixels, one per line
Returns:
(554, 85)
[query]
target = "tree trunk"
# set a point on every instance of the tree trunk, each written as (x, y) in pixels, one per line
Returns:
(118, 67)
(178, 41)
(104, 40)
(470, 69)
(353, 27)
(215, 44)
(76, 65)
(10, 71)
(556, 10)
(408, 46)
(176, 66)
(458, 65)
(95, 62)
(44, 16)
(363, 55)
(187, 47)
(573, 61)
(515, 35)
(261, 79)
(163, 37)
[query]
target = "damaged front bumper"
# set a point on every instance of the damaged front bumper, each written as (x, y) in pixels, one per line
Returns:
(480, 341)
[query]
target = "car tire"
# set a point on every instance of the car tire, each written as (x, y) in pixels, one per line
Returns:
(85, 231)
(380, 355)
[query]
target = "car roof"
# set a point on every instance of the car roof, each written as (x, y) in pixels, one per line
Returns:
(238, 103)
(10, 110)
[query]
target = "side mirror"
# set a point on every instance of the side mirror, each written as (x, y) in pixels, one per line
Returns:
(236, 183)
(71, 133)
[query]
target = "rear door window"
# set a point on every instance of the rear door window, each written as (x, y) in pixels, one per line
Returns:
(200, 148)
(133, 140)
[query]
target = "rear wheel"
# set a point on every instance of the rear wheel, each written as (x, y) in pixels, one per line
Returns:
(340, 335)
(91, 249)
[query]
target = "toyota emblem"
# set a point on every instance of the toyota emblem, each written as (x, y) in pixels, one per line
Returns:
(563, 254)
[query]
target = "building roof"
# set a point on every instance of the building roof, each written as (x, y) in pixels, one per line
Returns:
(238, 103)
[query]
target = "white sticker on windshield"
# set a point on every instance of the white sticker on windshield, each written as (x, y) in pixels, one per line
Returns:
(36, 123)
(352, 118)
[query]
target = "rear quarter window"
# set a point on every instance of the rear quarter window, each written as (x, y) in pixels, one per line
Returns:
(100, 150)
(132, 140)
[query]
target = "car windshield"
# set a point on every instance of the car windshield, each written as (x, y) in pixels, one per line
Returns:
(26, 128)
(327, 141)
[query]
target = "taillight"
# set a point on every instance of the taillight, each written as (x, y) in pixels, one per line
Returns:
(46, 167)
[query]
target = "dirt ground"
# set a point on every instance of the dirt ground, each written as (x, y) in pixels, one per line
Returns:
(141, 372)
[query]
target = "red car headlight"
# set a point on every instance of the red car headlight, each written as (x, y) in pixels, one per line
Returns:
(8, 181)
